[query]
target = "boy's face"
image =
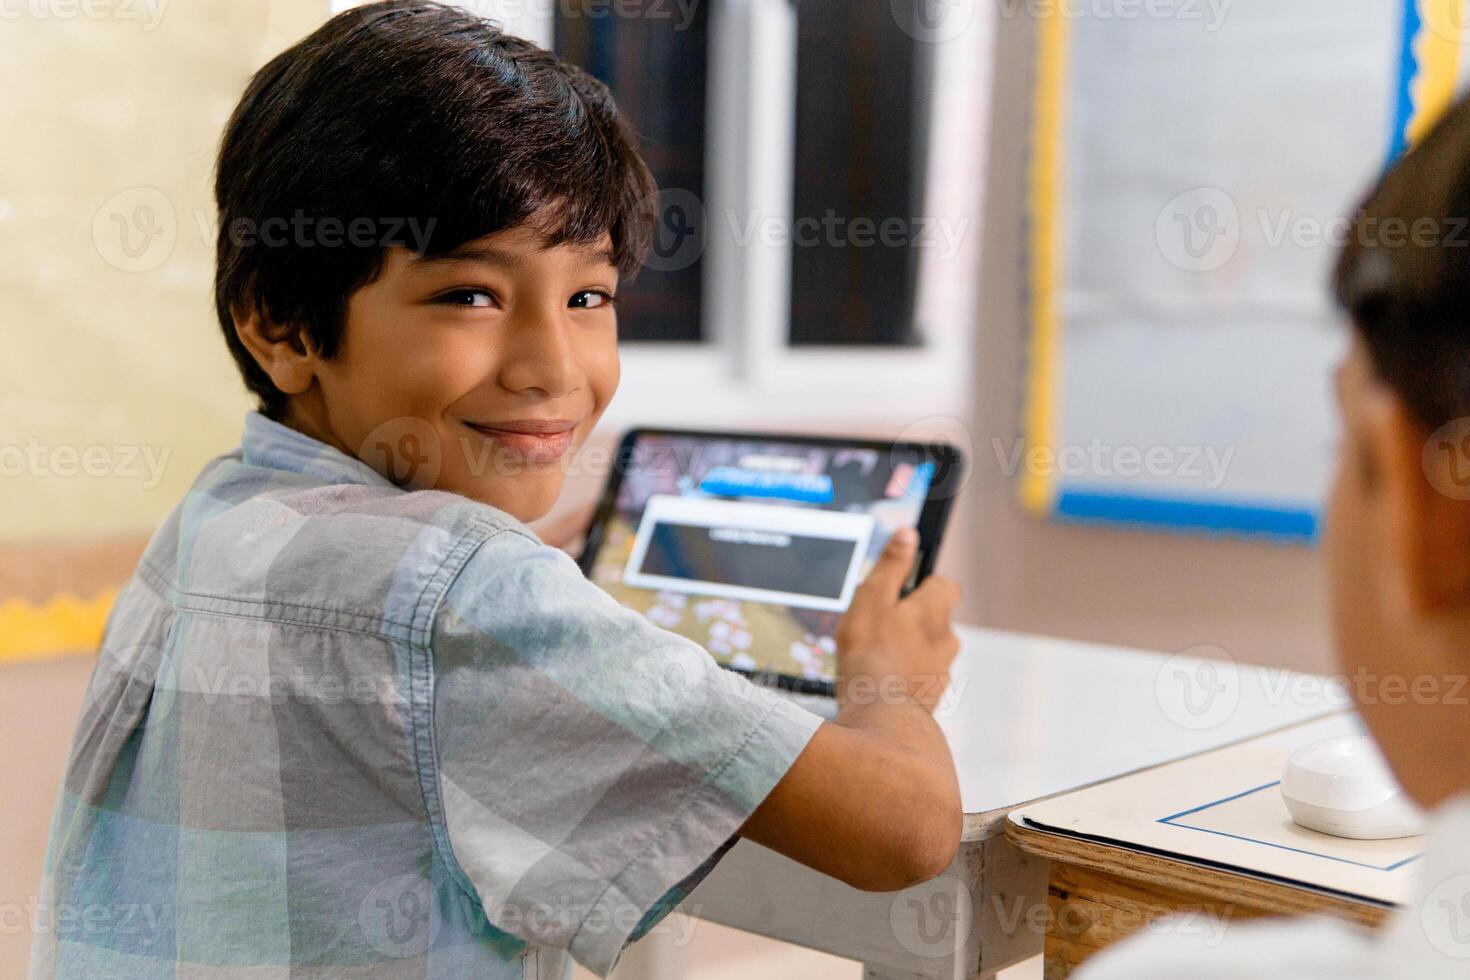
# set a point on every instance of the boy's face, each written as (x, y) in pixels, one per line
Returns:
(476, 372)
(1398, 559)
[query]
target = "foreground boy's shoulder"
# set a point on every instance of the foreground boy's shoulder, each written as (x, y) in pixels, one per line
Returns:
(335, 546)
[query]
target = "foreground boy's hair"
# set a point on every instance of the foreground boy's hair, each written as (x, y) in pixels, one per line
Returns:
(1404, 274)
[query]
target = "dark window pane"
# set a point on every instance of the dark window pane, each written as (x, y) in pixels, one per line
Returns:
(652, 55)
(861, 89)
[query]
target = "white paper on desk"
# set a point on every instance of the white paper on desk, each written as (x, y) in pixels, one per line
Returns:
(1225, 807)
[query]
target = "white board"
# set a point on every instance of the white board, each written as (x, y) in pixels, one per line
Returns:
(1192, 177)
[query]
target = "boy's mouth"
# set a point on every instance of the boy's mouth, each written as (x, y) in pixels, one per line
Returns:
(534, 440)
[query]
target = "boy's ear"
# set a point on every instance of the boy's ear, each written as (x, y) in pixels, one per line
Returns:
(1427, 529)
(289, 361)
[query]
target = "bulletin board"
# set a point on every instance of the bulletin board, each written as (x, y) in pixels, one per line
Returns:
(1189, 180)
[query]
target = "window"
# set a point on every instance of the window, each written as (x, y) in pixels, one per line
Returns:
(656, 69)
(862, 96)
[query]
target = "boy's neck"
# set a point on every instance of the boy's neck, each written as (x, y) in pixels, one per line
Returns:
(307, 413)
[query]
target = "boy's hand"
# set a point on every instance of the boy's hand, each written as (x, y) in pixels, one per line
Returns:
(873, 800)
(891, 648)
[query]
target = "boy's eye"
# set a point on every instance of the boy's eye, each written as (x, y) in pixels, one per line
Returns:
(591, 299)
(473, 298)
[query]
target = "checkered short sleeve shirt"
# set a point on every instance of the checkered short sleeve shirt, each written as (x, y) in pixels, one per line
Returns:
(340, 729)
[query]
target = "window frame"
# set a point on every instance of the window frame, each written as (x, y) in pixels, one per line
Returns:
(746, 358)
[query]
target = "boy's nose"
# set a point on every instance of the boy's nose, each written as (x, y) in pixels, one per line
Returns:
(541, 356)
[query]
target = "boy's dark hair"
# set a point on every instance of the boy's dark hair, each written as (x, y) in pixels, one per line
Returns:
(1404, 273)
(409, 123)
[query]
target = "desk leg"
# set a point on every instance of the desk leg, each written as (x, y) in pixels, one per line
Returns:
(654, 957)
(879, 973)
(985, 913)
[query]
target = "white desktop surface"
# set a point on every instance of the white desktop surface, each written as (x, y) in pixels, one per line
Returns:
(1031, 716)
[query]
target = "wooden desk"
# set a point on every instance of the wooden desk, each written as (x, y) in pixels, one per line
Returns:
(1099, 891)
(1098, 894)
(1026, 719)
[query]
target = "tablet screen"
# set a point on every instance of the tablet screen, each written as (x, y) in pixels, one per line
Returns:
(752, 548)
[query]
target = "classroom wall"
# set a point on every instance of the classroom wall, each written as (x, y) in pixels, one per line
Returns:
(1260, 602)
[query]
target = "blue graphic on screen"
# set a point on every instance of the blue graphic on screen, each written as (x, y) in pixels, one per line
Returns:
(735, 481)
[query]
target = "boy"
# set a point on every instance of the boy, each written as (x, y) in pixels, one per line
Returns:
(1398, 554)
(351, 718)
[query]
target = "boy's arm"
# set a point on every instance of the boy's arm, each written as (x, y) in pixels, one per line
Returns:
(590, 765)
(873, 800)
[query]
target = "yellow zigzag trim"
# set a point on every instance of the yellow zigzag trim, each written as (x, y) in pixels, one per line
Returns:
(62, 625)
(1437, 55)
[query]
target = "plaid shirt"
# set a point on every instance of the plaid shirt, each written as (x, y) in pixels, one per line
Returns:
(340, 729)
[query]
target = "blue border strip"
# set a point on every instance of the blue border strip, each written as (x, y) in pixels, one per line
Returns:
(1398, 138)
(1281, 847)
(1284, 521)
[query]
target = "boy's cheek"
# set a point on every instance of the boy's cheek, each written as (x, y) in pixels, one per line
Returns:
(606, 367)
(605, 388)
(601, 372)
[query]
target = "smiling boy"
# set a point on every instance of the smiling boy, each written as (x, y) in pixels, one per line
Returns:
(351, 718)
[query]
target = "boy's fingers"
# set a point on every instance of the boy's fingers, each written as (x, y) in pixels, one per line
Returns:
(936, 598)
(940, 590)
(892, 567)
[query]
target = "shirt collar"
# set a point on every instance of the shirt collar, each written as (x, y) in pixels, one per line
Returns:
(268, 443)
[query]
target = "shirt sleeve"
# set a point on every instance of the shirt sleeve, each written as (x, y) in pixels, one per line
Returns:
(590, 764)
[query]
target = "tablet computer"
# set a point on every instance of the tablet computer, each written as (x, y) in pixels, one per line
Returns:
(751, 544)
